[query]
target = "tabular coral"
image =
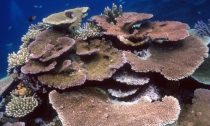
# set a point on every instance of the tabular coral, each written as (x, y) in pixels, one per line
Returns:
(116, 60)
(49, 44)
(21, 106)
(175, 62)
(129, 35)
(63, 81)
(199, 112)
(70, 17)
(34, 67)
(91, 108)
(106, 61)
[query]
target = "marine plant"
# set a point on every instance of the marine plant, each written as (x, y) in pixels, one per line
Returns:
(108, 71)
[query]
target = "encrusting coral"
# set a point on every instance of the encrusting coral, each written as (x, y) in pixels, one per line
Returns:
(92, 108)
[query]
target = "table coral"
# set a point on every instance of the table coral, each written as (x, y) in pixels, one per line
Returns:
(174, 62)
(130, 60)
(92, 108)
(71, 17)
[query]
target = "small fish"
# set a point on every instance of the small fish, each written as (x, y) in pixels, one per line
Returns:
(31, 18)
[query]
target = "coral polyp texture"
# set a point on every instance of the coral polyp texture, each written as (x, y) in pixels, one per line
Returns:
(116, 69)
(94, 109)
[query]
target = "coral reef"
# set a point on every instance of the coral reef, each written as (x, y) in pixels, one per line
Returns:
(87, 30)
(91, 108)
(70, 17)
(116, 69)
(198, 113)
(21, 106)
(112, 13)
(172, 62)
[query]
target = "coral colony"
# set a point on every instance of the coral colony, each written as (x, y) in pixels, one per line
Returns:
(118, 69)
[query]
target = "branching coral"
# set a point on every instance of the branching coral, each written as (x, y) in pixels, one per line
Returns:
(21, 106)
(17, 59)
(112, 13)
(87, 30)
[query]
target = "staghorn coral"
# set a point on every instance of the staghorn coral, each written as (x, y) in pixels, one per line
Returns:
(21, 106)
(70, 17)
(87, 30)
(128, 35)
(112, 13)
(174, 62)
(92, 108)
(202, 74)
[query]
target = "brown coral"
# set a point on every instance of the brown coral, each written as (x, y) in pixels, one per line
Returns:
(35, 67)
(92, 109)
(50, 44)
(105, 62)
(83, 48)
(63, 80)
(199, 113)
(174, 62)
(71, 17)
(126, 32)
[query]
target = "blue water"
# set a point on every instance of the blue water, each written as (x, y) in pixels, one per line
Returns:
(15, 14)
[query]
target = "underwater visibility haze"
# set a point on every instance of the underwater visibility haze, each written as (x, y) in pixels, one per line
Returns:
(105, 63)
